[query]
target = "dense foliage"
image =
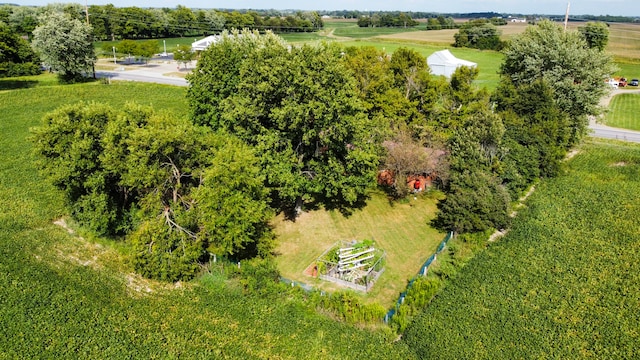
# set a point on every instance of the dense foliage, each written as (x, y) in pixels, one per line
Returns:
(16, 56)
(596, 34)
(564, 280)
(181, 191)
(65, 44)
(387, 20)
(479, 34)
(297, 107)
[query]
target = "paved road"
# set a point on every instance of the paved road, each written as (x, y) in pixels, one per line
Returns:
(142, 76)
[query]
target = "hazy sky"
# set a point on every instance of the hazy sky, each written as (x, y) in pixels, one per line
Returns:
(553, 7)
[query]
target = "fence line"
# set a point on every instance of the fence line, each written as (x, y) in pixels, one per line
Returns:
(423, 272)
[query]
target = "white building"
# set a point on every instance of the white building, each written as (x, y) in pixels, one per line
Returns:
(202, 44)
(444, 63)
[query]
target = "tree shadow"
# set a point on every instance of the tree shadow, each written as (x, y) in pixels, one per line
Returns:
(6, 84)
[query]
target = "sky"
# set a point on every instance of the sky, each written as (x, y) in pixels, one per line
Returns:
(547, 7)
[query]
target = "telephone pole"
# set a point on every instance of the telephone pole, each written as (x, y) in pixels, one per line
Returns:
(566, 16)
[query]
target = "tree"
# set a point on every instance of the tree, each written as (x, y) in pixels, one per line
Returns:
(564, 61)
(16, 56)
(183, 54)
(298, 107)
(478, 34)
(69, 147)
(596, 34)
(177, 190)
(66, 45)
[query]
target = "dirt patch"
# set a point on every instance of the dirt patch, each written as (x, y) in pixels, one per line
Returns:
(571, 154)
(618, 164)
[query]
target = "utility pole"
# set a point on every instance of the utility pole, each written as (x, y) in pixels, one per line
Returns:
(566, 16)
(86, 10)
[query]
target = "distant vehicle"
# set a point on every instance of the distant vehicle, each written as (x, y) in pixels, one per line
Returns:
(622, 82)
(634, 82)
(613, 83)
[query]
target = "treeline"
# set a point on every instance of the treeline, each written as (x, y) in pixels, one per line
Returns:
(387, 20)
(111, 23)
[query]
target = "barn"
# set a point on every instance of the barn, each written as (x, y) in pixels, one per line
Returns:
(444, 63)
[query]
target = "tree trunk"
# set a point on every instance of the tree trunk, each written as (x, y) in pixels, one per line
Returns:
(298, 208)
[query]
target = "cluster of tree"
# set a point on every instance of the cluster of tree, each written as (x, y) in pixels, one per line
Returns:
(139, 49)
(17, 58)
(480, 34)
(274, 127)
(441, 22)
(178, 190)
(65, 45)
(387, 20)
(551, 82)
(111, 23)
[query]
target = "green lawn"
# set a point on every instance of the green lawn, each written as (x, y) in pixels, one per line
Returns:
(65, 297)
(400, 229)
(624, 111)
(564, 283)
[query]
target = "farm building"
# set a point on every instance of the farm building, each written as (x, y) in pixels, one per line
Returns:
(202, 44)
(444, 63)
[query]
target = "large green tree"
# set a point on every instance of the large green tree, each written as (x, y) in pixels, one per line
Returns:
(17, 58)
(178, 190)
(65, 44)
(564, 61)
(596, 34)
(298, 107)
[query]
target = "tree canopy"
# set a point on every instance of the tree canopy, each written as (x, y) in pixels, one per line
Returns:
(298, 107)
(17, 58)
(65, 44)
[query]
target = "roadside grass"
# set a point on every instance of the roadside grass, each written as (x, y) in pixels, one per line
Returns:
(564, 282)
(66, 297)
(400, 229)
(624, 112)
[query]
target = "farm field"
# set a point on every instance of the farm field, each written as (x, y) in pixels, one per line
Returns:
(400, 229)
(563, 283)
(63, 296)
(624, 111)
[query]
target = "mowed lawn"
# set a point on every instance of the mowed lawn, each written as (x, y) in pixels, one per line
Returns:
(624, 111)
(400, 229)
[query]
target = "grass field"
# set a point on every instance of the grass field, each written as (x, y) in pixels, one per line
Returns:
(564, 282)
(66, 297)
(624, 111)
(401, 230)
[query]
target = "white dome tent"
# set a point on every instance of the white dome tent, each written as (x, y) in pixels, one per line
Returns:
(444, 63)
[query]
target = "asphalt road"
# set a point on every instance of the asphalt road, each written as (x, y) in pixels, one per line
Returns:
(142, 76)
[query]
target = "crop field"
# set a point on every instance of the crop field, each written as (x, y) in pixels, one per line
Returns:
(64, 297)
(563, 283)
(624, 111)
(400, 229)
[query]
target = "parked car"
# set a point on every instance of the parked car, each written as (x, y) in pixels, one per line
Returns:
(622, 82)
(634, 82)
(613, 83)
